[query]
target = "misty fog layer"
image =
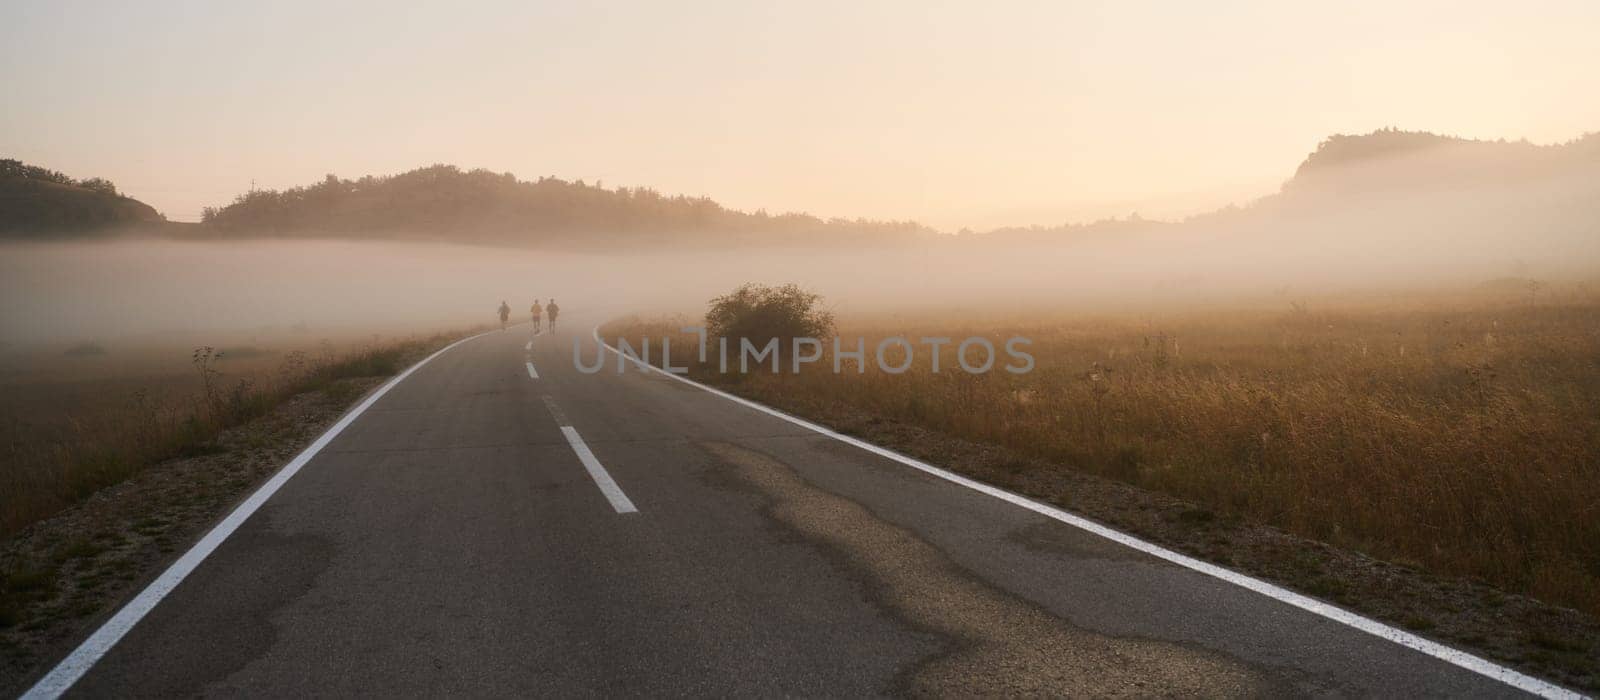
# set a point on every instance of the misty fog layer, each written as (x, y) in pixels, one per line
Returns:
(74, 291)
(1386, 211)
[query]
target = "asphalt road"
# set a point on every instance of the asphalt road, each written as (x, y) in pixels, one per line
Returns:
(452, 541)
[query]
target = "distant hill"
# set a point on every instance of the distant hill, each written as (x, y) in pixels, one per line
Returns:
(1429, 201)
(1104, 229)
(445, 203)
(37, 202)
(1395, 161)
(1399, 184)
(1403, 185)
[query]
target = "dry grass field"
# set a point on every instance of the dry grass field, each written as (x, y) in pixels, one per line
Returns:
(1458, 433)
(79, 418)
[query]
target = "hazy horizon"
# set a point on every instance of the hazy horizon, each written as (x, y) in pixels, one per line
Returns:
(957, 117)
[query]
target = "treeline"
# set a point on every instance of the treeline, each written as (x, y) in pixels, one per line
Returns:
(10, 168)
(442, 202)
(1394, 159)
(38, 202)
(1133, 225)
(1346, 174)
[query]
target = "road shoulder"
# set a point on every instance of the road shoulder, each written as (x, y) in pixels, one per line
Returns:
(1537, 638)
(65, 575)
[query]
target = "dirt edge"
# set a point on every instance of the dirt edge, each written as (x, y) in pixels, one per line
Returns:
(66, 575)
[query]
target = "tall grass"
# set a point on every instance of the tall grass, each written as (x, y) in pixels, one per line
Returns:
(1465, 440)
(92, 447)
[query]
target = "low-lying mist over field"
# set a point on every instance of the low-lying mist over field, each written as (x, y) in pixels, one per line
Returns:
(325, 323)
(75, 292)
(1386, 212)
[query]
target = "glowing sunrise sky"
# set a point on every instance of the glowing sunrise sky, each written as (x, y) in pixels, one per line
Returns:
(975, 114)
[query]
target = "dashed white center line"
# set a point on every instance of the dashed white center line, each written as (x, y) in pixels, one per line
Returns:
(560, 416)
(529, 346)
(613, 492)
(532, 373)
(602, 478)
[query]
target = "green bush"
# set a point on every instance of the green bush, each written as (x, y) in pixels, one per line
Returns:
(760, 313)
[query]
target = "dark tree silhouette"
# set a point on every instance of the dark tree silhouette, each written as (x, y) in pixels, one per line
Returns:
(442, 202)
(38, 202)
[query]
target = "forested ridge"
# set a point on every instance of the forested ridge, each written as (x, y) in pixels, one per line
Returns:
(37, 202)
(446, 203)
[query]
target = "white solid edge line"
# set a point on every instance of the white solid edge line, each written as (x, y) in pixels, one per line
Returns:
(602, 478)
(76, 664)
(1473, 663)
(532, 373)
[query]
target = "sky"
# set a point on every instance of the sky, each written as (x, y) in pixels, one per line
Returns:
(957, 115)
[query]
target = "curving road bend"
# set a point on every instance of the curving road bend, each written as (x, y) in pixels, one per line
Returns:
(499, 523)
